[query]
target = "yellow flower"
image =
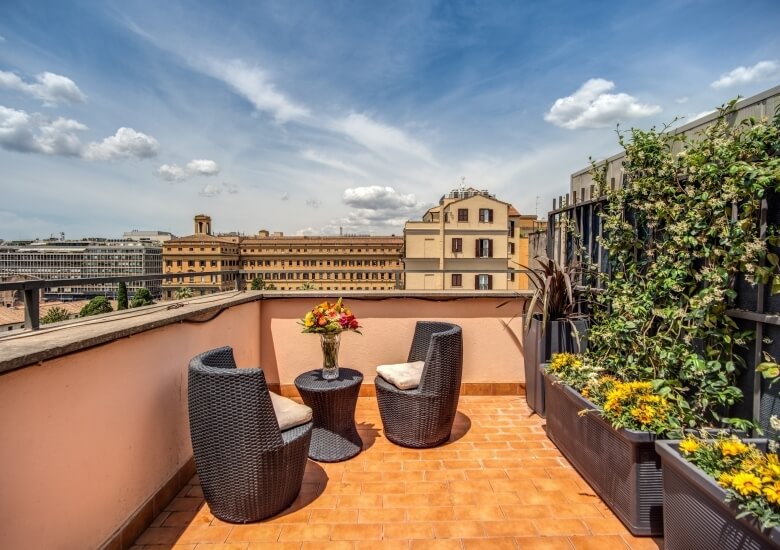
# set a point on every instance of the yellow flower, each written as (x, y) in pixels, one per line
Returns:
(772, 494)
(689, 445)
(725, 480)
(746, 484)
(732, 447)
(309, 319)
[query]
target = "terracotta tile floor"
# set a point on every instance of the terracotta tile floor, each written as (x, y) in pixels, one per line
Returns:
(499, 483)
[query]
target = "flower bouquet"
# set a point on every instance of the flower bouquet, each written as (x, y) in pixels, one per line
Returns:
(329, 321)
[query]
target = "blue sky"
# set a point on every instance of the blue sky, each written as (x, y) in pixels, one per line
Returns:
(310, 116)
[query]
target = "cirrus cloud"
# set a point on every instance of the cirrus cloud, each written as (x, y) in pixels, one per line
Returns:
(763, 70)
(591, 106)
(49, 87)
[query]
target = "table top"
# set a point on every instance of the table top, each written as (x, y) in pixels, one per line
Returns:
(313, 380)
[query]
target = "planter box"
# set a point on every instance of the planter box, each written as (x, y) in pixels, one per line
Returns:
(696, 514)
(622, 466)
(540, 345)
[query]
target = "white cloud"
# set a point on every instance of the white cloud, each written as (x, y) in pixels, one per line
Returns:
(321, 158)
(171, 172)
(50, 88)
(230, 188)
(210, 191)
(592, 107)
(126, 143)
(2, 38)
(313, 203)
(254, 85)
(203, 167)
(381, 138)
(681, 100)
(378, 198)
(763, 70)
(23, 132)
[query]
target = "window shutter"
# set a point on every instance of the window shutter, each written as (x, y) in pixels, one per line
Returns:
(490, 215)
(476, 252)
(476, 282)
(454, 245)
(490, 248)
(490, 282)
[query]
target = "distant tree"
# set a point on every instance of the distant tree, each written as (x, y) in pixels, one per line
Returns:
(121, 296)
(270, 286)
(142, 297)
(97, 305)
(55, 315)
(307, 286)
(257, 284)
(183, 293)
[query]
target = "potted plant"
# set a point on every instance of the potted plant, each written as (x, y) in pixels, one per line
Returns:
(607, 429)
(552, 324)
(329, 321)
(732, 485)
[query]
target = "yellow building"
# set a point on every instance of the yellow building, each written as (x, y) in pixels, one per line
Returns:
(323, 263)
(470, 241)
(200, 252)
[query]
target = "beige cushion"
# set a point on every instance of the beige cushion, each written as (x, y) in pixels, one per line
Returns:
(289, 413)
(404, 376)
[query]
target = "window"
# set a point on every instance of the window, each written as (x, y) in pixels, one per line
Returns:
(486, 215)
(191, 263)
(484, 248)
(457, 279)
(463, 214)
(511, 249)
(511, 228)
(457, 245)
(511, 275)
(483, 282)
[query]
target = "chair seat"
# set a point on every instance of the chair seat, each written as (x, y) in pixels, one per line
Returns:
(289, 413)
(404, 376)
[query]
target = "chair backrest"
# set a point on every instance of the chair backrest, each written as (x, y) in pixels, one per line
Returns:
(229, 403)
(440, 345)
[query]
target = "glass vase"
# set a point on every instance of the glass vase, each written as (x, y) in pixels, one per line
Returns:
(330, 354)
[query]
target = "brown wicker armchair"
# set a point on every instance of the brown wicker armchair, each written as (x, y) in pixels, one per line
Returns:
(249, 469)
(423, 416)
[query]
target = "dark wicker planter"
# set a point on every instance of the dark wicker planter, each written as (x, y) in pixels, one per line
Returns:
(696, 515)
(540, 345)
(620, 465)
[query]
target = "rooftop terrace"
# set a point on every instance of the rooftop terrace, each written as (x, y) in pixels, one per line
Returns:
(96, 448)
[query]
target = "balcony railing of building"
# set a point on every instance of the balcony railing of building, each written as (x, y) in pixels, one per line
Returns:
(31, 288)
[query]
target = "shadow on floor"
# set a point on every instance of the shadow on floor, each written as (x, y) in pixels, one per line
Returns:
(368, 433)
(460, 427)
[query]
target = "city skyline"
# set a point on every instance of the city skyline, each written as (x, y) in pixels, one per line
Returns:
(308, 118)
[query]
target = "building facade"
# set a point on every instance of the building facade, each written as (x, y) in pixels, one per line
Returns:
(323, 263)
(470, 241)
(83, 259)
(197, 253)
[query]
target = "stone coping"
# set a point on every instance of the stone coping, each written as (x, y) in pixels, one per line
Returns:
(23, 348)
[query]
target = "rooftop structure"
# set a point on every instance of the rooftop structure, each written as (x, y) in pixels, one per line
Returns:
(72, 259)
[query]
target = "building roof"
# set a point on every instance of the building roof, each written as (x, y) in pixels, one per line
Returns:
(14, 315)
(317, 240)
(198, 238)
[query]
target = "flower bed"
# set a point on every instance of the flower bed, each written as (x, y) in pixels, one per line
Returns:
(621, 465)
(696, 513)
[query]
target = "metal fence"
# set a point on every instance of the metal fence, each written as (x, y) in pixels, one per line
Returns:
(573, 233)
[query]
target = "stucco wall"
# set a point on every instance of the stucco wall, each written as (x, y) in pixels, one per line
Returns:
(89, 437)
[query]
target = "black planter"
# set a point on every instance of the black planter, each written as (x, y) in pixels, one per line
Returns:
(540, 345)
(620, 465)
(696, 514)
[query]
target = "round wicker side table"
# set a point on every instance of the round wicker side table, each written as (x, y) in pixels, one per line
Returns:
(334, 436)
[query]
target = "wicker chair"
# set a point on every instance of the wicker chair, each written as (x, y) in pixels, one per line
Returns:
(248, 468)
(423, 416)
